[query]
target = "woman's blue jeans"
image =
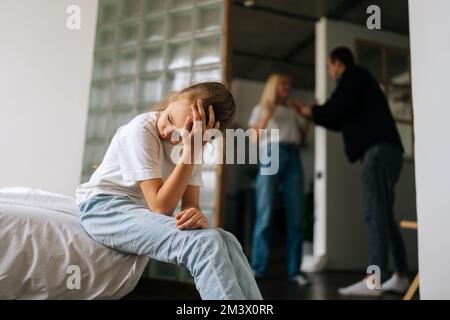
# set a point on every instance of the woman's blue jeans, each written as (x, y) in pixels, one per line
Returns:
(290, 176)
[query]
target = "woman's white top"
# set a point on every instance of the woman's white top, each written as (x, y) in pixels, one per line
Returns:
(136, 153)
(286, 119)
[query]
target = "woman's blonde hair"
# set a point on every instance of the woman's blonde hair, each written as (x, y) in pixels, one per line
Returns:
(270, 89)
(211, 93)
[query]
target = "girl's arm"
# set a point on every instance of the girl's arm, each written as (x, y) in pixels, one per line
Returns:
(190, 216)
(164, 197)
(191, 198)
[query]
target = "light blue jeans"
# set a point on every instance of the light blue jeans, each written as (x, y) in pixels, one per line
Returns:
(290, 175)
(213, 256)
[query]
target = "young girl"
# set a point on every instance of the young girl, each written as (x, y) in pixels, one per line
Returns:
(276, 111)
(128, 203)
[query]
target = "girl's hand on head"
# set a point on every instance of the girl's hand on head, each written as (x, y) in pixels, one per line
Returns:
(188, 124)
(197, 128)
(191, 218)
(212, 124)
(199, 115)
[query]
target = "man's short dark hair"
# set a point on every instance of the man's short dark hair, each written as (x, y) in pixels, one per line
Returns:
(344, 55)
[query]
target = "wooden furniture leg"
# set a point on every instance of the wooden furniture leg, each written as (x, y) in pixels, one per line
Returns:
(415, 284)
(412, 289)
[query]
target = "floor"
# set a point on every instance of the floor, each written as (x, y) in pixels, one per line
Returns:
(323, 286)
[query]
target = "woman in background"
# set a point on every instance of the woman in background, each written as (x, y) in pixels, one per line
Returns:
(276, 111)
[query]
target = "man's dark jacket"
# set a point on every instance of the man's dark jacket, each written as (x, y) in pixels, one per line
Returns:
(358, 108)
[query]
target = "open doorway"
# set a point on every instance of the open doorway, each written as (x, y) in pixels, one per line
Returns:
(295, 37)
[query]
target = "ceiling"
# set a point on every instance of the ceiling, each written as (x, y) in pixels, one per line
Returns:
(278, 35)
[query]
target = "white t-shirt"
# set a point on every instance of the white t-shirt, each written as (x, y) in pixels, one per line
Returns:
(136, 153)
(287, 120)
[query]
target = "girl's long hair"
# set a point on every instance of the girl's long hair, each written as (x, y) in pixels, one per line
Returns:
(211, 93)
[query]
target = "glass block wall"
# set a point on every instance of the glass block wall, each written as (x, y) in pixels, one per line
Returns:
(145, 49)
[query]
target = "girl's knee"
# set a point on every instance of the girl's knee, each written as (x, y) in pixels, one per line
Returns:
(210, 234)
(209, 237)
(229, 237)
(226, 235)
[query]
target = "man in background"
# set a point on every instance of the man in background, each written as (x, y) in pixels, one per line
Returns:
(359, 109)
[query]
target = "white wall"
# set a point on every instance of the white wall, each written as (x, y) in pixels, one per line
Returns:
(430, 51)
(343, 232)
(44, 84)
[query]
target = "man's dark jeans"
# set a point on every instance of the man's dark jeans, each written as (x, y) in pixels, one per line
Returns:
(382, 164)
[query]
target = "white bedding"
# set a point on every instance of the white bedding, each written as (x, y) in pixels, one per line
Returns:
(43, 246)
